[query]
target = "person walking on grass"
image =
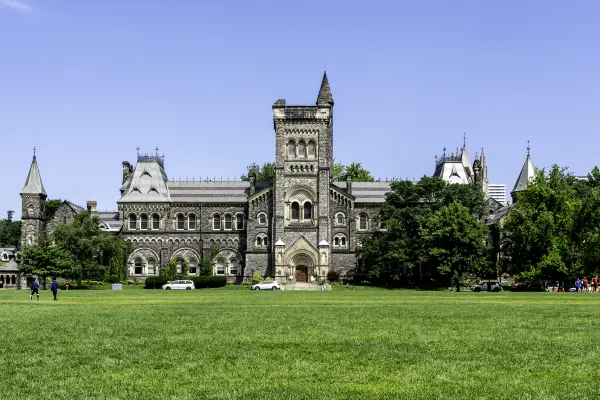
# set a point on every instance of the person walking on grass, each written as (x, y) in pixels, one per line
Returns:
(585, 284)
(54, 287)
(579, 284)
(34, 289)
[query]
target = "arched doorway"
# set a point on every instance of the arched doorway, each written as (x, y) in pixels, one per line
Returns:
(301, 273)
(302, 266)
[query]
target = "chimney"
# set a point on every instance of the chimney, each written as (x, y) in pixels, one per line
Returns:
(127, 168)
(349, 184)
(252, 184)
(91, 205)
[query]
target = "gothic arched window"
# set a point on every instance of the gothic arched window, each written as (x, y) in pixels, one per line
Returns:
(291, 147)
(143, 221)
(132, 221)
(301, 150)
(307, 211)
(192, 222)
(295, 211)
(311, 150)
(217, 222)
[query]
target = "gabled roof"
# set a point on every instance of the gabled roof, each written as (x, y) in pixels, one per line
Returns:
(148, 183)
(33, 184)
(527, 173)
(325, 97)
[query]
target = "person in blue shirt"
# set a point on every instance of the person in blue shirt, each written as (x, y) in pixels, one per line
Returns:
(578, 284)
(54, 287)
(34, 289)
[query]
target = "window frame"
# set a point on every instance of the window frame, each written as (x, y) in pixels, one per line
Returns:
(225, 222)
(264, 215)
(192, 222)
(136, 266)
(238, 220)
(143, 221)
(179, 218)
(360, 219)
(155, 218)
(216, 217)
(297, 211)
(132, 219)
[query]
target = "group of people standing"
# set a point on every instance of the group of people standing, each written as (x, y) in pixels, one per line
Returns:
(585, 285)
(35, 289)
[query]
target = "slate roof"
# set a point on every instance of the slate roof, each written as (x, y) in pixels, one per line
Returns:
(325, 97)
(10, 265)
(110, 219)
(212, 192)
(367, 192)
(498, 214)
(527, 173)
(33, 184)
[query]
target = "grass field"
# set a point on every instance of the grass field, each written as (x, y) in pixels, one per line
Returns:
(364, 344)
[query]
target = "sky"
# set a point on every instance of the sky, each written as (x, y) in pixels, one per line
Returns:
(87, 82)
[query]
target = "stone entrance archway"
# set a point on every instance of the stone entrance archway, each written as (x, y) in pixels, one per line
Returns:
(301, 273)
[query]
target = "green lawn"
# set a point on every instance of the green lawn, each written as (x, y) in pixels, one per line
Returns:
(363, 344)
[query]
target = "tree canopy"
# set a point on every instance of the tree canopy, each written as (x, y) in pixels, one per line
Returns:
(78, 250)
(419, 244)
(551, 233)
(266, 173)
(10, 230)
(356, 171)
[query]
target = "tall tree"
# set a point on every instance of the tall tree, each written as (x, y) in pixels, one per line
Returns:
(92, 252)
(551, 233)
(266, 173)
(45, 260)
(455, 242)
(50, 208)
(340, 172)
(10, 230)
(399, 253)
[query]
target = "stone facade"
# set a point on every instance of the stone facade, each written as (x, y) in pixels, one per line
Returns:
(296, 228)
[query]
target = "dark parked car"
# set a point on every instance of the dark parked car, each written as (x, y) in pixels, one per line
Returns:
(487, 287)
(527, 286)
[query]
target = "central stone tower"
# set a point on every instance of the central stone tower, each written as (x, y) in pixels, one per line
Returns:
(303, 162)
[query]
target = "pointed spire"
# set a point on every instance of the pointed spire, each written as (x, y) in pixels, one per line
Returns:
(527, 173)
(33, 184)
(325, 97)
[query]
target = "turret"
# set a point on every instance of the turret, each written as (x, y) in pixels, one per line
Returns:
(33, 196)
(527, 173)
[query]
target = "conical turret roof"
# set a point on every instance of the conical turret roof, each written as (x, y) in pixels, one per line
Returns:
(325, 97)
(527, 173)
(33, 184)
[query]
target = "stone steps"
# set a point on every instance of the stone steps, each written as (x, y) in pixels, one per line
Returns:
(301, 286)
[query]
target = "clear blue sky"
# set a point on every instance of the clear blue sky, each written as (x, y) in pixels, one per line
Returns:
(86, 82)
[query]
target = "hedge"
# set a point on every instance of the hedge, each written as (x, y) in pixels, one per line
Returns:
(209, 281)
(155, 282)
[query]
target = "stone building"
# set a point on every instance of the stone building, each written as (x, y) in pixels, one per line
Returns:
(296, 228)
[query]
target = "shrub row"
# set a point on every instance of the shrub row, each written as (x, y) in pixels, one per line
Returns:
(155, 282)
(199, 281)
(209, 281)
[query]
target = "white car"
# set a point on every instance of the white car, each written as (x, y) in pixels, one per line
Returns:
(266, 285)
(181, 285)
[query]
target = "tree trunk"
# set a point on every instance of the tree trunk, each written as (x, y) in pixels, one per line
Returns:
(457, 285)
(43, 282)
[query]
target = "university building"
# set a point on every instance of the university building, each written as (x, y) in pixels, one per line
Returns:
(296, 228)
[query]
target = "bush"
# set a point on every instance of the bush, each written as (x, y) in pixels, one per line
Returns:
(256, 279)
(333, 276)
(209, 281)
(155, 282)
(113, 278)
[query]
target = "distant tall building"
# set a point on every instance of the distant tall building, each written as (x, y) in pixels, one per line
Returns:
(497, 192)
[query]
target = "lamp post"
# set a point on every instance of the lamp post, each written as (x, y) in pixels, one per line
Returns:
(251, 274)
